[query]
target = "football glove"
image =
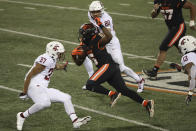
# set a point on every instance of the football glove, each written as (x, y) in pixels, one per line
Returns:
(98, 21)
(23, 96)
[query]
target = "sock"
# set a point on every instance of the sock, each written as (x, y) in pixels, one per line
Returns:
(73, 117)
(26, 114)
(111, 93)
(144, 103)
(155, 68)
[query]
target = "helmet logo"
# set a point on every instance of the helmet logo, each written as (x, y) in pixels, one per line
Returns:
(182, 43)
(55, 48)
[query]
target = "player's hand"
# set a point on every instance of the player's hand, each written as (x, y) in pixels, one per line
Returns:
(98, 21)
(23, 96)
(65, 66)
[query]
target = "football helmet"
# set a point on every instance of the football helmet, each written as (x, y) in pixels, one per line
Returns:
(187, 44)
(86, 32)
(55, 50)
(96, 8)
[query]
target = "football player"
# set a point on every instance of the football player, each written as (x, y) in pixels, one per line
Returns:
(36, 86)
(187, 46)
(96, 9)
(172, 13)
(108, 71)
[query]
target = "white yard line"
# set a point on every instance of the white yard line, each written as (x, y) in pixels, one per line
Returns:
(102, 113)
(76, 8)
(29, 8)
(29, 66)
(69, 42)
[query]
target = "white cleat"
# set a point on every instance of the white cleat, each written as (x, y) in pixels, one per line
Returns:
(84, 87)
(20, 121)
(81, 121)
(140, 86)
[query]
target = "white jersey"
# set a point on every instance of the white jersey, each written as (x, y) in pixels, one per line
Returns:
(43, 78)
(188, 58)
(106, 19)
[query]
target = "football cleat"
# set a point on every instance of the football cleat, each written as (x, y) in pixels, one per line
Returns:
(114, 98)
(20, 121)
(188, 99)
(81, 121)
(84, 87)
(150, 108)
(150, 73)
(141, 86)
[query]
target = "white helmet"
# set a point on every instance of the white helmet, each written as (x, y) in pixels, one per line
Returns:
(54, 49)
(96, 6)
(187, 44)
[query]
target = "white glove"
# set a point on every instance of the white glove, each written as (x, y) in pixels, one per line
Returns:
(23, 96)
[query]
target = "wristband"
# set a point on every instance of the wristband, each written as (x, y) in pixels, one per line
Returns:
(192, 23)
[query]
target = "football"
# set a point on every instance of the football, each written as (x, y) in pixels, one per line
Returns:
(78, 55)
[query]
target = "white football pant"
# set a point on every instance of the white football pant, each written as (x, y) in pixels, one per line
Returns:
(43, 96)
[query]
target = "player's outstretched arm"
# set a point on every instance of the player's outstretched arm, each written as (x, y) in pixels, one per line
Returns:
(61, 66)
(107, 34)
(189, 5)
(155, 11)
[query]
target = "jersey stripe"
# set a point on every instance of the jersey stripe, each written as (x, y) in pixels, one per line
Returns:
(99, 72)
(176, 37)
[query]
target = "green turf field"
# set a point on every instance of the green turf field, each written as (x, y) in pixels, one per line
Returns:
(26, 26)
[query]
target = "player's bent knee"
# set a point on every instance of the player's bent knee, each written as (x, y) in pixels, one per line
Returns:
(90, 85)
(67, 97)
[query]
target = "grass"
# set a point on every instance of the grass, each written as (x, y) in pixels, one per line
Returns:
(138, 36)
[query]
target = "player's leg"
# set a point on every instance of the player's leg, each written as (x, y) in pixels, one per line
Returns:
(100, 76)
(118, 83)
(172, 38)
(41, 100)
(89, 66)
(118, 58)
(59, 96)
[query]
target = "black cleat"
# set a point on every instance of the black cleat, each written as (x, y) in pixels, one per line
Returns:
(114, 98)
(150, 73)
(188, 99)
(150, 108)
